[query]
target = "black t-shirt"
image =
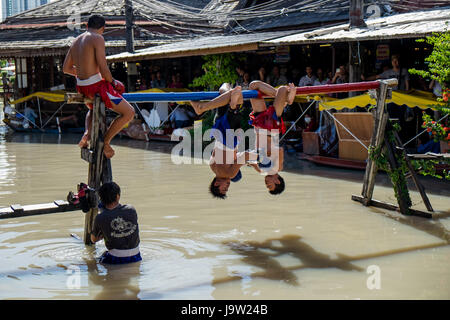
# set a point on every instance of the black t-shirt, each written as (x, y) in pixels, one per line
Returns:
(119, 227)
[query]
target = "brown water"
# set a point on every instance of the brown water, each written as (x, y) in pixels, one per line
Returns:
(312, 242)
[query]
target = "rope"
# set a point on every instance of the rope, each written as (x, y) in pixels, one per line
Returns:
(424, 131)
(297, 120)
(348, 131)
(53, 115)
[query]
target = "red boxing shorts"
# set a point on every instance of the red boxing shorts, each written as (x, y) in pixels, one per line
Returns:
(96, 84)
(268, 120)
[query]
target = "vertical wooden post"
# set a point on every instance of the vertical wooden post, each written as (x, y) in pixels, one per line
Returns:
(381, 118)
(98, 163)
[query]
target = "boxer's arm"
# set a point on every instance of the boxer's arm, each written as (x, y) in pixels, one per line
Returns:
(68, 67)
(100, 57)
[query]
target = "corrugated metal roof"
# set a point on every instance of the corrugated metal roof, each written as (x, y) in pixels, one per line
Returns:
(326, 13)
(200, 46)
(406, 25)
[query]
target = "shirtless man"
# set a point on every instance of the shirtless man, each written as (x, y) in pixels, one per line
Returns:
(86, 60)
(268, 124)
(225, 161)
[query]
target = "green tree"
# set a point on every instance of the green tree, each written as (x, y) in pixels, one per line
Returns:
(438, 70)
(218, 68)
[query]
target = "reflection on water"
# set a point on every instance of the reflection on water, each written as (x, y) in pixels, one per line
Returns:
(310, 242)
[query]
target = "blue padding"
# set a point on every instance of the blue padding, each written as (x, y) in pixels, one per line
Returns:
(180, 96)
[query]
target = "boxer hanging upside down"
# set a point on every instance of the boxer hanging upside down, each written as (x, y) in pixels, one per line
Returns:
(86, 60)
(268, 124)
(225, 161)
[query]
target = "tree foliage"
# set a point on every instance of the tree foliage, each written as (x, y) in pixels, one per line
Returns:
(438, 70)
(218, 68)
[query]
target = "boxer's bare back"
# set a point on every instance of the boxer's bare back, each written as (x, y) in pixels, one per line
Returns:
(87, 57)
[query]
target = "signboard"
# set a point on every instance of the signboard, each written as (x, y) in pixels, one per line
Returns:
(282, 54)
(382, 55)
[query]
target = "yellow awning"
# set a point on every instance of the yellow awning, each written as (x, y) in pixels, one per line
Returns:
(49, 96)
(416, 98)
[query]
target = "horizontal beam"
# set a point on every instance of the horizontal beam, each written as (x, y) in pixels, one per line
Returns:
(17, 210)
(250, 94)
(389, 206)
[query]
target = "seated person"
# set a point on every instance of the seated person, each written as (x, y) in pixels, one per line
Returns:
(30, 117)
(181, 118)
(310, 123)
(117, 225)
(427, 144)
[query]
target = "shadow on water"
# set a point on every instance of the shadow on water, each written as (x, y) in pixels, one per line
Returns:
(263, 255)
(433, 227)
(118, 282)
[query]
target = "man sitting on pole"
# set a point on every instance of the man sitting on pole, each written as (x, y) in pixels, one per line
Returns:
(225, 161)
(268, 123)
(86, 60)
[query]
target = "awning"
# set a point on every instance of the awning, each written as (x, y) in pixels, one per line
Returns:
(49, 96)
(405, 25)
(200, 46)
(415, 98)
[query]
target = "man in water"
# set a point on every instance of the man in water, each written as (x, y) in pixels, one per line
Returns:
(225, 161)
(117, 225)
(86, 60)
(268, 124)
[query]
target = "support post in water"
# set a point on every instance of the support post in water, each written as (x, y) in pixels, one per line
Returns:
(99, 166)
(381, 118)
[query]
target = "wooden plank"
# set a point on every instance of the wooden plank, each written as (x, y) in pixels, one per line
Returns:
(38, 209)
(413, 174)
(381, 118)
(402, 202)
(389, 206)
(16, 208)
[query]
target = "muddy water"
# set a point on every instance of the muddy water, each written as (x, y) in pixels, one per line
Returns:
(312, 242)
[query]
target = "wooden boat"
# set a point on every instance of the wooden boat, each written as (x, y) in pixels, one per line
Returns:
(335, 162)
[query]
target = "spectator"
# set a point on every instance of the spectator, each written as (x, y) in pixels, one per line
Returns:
(175, 82)
(30, 117)
(427, 144)
(308, 79)
(436, 87)
(340, 77)
(310, 123)
(143, 84)
(181, 118)
(320, 80)
(261, 76)
(245, 81)
(401, 74)
(240, 71)
(275, 79)
(153, 79)
(158, 82)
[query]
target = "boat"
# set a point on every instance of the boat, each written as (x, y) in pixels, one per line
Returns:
(54, 104)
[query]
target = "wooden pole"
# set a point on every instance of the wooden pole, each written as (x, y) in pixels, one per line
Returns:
(99, 166)
(419, 186)
(381, 118)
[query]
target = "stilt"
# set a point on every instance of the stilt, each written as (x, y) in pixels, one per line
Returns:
(99, 166)
(381, 118)
(391, 148)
